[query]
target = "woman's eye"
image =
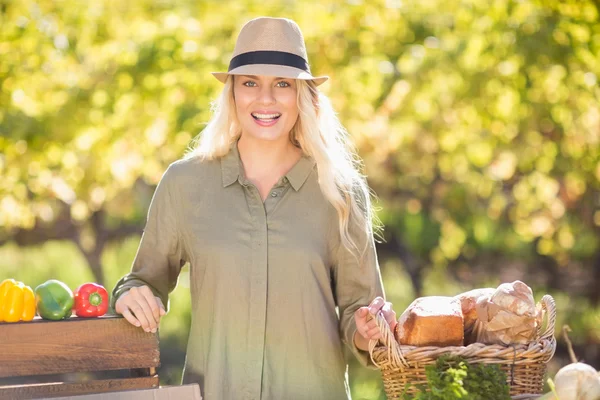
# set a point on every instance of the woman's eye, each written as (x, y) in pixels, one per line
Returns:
(279, 84)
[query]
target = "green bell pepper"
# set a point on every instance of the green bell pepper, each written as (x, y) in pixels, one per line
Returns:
(54, 300)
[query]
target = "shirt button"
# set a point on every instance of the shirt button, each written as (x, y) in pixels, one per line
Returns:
(273, 194)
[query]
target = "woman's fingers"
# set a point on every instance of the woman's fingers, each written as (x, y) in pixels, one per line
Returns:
(129, 317)
(140, 309)
(389, 314)
(152, 304)
(161, 307)
(360, 318)
(364, 327)
(130, 310)
(371, 324)
(376, 305)
(362, 312)
(366, 324)
(122, 307)
(385, 307)
(142, 313)
(374, 333)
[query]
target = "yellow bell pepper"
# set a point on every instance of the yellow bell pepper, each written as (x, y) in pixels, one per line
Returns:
(17, 301)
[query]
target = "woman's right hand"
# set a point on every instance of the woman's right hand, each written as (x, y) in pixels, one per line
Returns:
(141, 308)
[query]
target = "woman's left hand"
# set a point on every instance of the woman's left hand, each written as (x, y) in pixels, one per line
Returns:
(366, 327)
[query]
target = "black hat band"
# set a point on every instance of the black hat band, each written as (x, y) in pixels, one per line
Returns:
(269, 57)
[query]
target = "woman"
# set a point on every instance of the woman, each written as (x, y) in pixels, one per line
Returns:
(275, 220)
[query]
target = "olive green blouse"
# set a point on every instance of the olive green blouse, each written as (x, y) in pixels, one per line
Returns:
(273, 291)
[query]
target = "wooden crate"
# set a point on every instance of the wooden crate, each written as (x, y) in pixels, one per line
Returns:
(41, 359)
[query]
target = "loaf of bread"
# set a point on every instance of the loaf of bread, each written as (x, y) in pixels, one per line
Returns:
(468, 303)
(431, 321)
(509, 316)
(516, 297)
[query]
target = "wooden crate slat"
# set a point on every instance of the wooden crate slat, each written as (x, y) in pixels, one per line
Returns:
(59, 389)
(76, 345)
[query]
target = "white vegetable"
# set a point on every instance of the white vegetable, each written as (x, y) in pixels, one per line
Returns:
(575, 381)
(590, 389)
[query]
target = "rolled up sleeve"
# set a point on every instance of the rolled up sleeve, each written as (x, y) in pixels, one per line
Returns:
(160, 254)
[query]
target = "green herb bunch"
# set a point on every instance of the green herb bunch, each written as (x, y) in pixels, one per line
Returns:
(454, 378)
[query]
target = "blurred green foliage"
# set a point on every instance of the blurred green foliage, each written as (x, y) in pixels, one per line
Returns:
(479, 124)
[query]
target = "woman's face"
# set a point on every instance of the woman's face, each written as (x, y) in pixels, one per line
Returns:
(266, 106)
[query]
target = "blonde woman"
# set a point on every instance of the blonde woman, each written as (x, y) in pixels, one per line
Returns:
(275, 220)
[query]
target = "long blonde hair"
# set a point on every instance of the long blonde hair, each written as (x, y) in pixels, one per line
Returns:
(320, 135)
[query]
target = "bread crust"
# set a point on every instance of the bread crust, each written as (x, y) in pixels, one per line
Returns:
(431, 321)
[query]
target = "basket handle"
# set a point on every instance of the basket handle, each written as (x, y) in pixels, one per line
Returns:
(389, 341)
(549, 308)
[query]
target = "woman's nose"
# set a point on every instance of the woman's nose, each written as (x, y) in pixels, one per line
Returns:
(267, 95)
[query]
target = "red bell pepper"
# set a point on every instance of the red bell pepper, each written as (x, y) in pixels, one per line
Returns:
(91, 300)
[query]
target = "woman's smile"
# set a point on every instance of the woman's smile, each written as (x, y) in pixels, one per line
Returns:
(266, 118)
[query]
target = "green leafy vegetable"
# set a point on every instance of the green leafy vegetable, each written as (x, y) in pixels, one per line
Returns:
(454, 378)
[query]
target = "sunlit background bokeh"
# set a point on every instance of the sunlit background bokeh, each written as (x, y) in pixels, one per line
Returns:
(478, 121)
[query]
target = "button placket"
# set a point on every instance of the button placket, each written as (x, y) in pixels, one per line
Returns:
(258, 292)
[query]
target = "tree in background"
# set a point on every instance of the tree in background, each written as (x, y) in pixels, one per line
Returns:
(484, 138)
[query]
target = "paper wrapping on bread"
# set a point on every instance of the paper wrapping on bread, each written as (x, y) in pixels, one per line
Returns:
(468, 302)
(431, 321)
(508, 316)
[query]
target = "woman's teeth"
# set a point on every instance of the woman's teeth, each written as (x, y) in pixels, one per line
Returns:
(266, 117)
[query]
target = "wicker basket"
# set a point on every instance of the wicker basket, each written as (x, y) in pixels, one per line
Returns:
(524, 365)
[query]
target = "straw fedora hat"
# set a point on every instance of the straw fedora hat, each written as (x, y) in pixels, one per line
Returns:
(272, 47)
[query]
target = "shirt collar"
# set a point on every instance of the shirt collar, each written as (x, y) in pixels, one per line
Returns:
(300, 172)
(231, 165)
(232, 169)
